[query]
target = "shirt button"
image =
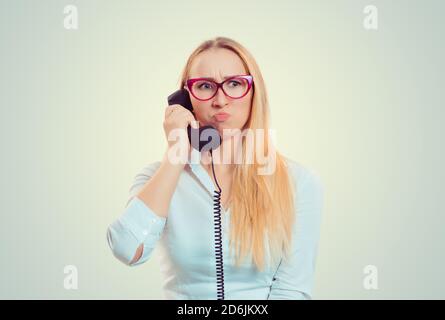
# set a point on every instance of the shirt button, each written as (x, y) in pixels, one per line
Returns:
(154, 220)
(145, 232)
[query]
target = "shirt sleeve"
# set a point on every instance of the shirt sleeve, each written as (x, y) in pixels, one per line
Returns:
(138, 224)
(294, 277)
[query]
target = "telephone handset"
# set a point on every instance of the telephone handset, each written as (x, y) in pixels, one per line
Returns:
(200, 143)
(207, 137)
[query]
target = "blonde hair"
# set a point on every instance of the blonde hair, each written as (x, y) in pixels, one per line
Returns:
(262, 206)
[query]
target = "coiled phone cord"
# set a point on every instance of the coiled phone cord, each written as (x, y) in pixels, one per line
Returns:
(218, 238)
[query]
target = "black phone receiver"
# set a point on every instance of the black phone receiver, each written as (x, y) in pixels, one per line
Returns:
(207, 137)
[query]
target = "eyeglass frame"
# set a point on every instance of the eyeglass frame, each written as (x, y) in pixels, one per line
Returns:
(248, 77)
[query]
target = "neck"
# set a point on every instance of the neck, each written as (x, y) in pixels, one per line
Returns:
(220, 164)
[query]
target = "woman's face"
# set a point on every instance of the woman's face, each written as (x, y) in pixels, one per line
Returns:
(218, 64)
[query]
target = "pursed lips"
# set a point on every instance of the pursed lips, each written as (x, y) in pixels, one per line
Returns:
(221, 116)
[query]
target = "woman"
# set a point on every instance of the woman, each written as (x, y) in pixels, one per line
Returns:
(271, 222)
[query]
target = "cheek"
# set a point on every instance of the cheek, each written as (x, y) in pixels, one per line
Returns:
(199, 108)
(243, 111)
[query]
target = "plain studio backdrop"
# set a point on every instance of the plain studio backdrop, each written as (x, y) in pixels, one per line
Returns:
(82, 111)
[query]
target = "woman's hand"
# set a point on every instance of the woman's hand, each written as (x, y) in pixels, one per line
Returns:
(178, 117)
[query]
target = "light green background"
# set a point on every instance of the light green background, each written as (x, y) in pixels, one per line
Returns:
(82, 111)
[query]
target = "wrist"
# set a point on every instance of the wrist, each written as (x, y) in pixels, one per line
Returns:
(172, 160)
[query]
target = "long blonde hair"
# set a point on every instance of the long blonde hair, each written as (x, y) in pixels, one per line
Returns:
(262, 206)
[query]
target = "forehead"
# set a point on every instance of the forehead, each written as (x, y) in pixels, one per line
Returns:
(217, 63)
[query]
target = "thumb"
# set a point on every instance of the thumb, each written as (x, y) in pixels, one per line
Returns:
(194, 124)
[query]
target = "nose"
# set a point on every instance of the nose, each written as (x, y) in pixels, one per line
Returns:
(220, 99)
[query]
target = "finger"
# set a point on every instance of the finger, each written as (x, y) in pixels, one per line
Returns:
(176, 109)
(169, 110)
(193, 123)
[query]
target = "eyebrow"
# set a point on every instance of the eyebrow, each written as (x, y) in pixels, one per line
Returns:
(226, 77)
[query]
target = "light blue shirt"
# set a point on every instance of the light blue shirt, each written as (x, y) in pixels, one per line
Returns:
(185, 240)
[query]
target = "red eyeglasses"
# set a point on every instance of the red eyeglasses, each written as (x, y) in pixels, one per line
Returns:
(234, 87)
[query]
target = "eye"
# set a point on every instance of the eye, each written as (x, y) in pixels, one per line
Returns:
(204, 85)
(234, 83)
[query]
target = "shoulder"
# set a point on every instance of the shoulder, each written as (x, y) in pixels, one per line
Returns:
(142, 176)
(309, 187)
(303, 176)
(145, 173)
(148, 170)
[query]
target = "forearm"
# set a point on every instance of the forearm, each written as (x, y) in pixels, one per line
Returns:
(158, 191)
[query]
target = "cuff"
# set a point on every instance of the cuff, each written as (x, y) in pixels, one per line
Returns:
(141, 221)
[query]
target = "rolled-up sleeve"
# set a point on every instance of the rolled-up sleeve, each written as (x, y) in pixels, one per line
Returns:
(294, 277)
(137, 225)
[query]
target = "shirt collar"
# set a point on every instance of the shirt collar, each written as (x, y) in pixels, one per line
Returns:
(194, 162)
(198, 170)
